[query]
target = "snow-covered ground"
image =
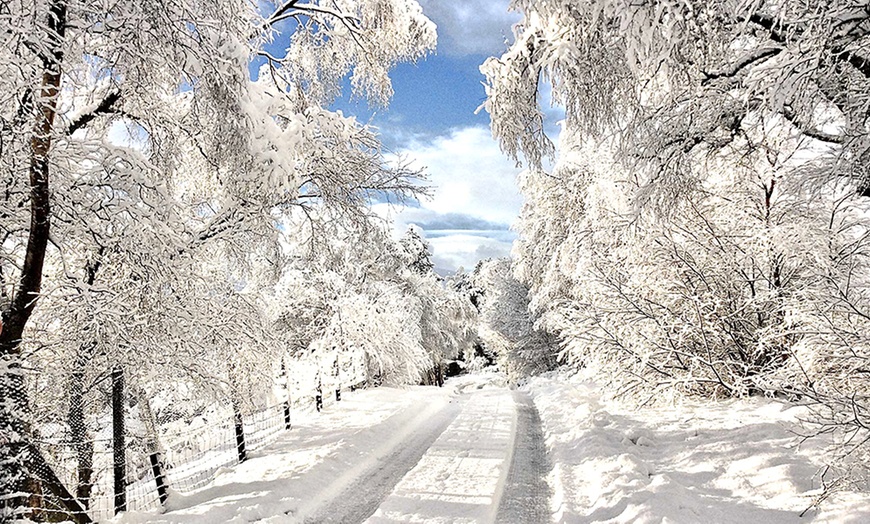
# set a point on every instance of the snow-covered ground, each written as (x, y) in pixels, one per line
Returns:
(460, 478)
(728, 462)
(555, 450)
(420, 454)
(310, 463)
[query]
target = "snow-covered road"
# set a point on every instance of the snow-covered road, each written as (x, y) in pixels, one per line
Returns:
(387, 455)
(460, 478)
(554, 451)
(526, 493)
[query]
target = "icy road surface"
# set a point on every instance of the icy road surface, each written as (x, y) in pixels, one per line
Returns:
(470, 452)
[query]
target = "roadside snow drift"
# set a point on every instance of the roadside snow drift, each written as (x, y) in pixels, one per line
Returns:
(729, 462)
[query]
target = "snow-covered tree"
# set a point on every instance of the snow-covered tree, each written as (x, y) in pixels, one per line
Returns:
(415, 252)
(365, 295)
(704, 229)
(507, 326)
(208, 160)
(672, 80)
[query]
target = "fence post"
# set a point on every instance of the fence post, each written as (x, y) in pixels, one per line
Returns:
(287, 400)
(159, 478)
(118, 441)
(337, 374)
(152, 444)
(318, 397)
(240, 432)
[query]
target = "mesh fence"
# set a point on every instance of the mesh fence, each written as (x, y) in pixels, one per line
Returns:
(74, 453)
(189, 460)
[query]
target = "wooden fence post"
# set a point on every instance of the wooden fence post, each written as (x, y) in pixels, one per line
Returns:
(152, 444)
(240, 432)
(318, 397)
(336, 372)
(159, 478)
(287, 399)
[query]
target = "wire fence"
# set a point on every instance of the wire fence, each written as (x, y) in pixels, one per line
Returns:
(187, 460)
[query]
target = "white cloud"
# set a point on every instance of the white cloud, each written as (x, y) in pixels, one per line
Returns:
(471, 26)
(453, 251)
(475, 197)
(470, 174)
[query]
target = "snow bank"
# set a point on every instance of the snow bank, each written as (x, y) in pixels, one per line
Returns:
(736, 461)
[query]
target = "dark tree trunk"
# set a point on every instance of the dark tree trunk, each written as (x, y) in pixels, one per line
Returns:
(15, 475)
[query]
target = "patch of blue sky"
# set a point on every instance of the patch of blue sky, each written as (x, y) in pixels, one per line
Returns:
(432, 120)
(440, 93)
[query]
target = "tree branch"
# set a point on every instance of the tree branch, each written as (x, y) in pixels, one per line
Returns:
(778, 32)
(275, 17)
(747, 60)
(104, 107)
(811, 132)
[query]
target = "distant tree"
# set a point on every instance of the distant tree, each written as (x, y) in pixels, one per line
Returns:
(464, 284)
(362, 296)
(415, 251)
(507, 324)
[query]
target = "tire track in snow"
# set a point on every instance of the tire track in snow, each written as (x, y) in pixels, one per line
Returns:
(361, 498)
(526, 493)
(460, 478)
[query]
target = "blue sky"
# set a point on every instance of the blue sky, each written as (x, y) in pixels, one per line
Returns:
(431, 97)
(431, 121)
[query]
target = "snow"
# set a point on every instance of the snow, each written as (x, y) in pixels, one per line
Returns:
(288, 479)
(557, 449)
(460, 478)
(526, 494)
(736, 461)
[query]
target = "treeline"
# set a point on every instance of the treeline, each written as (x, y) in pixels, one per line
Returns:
(705, 229)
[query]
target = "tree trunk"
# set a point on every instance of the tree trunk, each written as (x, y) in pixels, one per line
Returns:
(14, 409)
